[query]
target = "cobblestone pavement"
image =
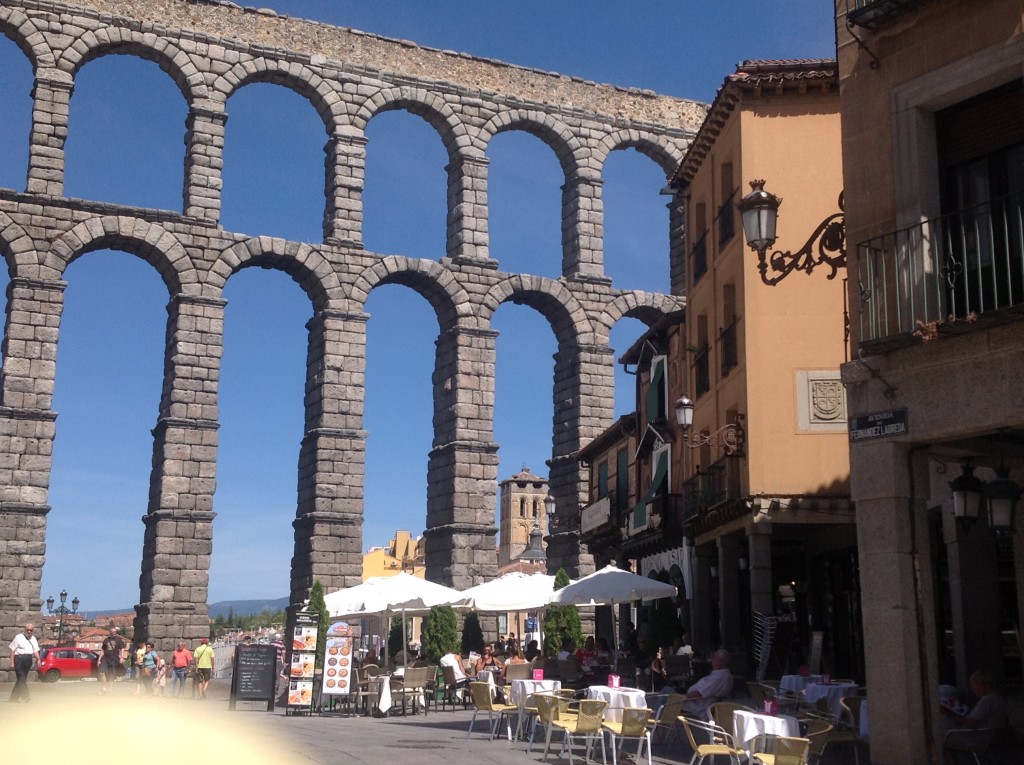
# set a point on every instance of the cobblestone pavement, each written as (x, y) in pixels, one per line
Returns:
(439, 737)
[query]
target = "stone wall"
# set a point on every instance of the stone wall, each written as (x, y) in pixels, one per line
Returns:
(211, 49)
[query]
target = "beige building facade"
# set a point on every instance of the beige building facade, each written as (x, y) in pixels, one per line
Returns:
(521, 507)
(933, 157)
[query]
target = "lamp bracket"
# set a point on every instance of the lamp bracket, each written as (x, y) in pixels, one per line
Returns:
(826, 246)
(730, 438)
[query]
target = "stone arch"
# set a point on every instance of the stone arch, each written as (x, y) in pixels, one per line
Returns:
(423, 103)
(555, 133)
(648, 307)
(149, 241)
(303, 263)
(22, 32)
(17, 248)
(428, 278)
(295, 76)
(94, 43)
(552, 299)
(663, 150)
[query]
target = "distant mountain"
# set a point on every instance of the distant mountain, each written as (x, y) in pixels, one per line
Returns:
(221, 608)
(246, 607)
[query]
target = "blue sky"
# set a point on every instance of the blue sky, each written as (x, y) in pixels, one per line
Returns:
(125, 146)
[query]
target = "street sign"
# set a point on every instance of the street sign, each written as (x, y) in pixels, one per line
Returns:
(892, 422)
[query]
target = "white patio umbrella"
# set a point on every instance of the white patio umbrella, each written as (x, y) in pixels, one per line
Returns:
(401, 593)
(609, 587)
(514, 592)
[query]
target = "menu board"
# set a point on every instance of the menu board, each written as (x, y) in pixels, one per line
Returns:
(300, 674)
(254, 674)
(338, 668)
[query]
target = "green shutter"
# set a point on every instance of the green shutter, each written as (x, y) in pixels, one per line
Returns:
(660, 474)
(656, 391)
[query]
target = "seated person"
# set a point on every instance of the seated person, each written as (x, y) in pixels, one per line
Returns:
(532, 650)
(371, 657)
(514, 657)
(714, 687)
(568, 649)
(989, 711)
(487, 662)
(644, 659)
(604, 653)
(586, 657)
(681, 646)
(454, 661)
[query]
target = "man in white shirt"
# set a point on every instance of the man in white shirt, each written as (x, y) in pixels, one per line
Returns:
(24, 652)
(711, 688)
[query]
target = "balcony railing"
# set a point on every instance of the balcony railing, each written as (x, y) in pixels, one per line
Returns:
(945, 270)
(729, 348)
(708, 489)
(699, 256)
(873, 14)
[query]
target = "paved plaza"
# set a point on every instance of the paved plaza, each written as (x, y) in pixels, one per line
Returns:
(439, 737)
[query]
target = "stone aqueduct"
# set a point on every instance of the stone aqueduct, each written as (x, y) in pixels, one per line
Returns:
(210, 49)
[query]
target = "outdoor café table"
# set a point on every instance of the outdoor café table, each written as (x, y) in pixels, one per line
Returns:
(832, 693)
(746, 726)
(521, 690)
(797, 683)
(618, 699)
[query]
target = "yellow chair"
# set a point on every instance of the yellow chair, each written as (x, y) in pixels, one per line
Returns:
(721, 713)
(847, 731)
(818, 734)
(667, 720)
(586, 726)
(482, 702)
(547, 710)
(785, 751)
(709, 740)
(633, 726)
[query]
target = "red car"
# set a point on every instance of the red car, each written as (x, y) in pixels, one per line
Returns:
(55, 663)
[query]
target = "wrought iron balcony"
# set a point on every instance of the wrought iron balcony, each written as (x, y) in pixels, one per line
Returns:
(873, 14)
(702, 369)
(943, 273)
(710, 496)
(726, 221)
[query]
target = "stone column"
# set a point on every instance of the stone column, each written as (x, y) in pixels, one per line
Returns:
(467, 239)
(462, 475)
(204, 160)
(178, 540)
(583, 227)
(899, 626)
(677, 244)
(584, 398)
(51, 98)
(27, 430)
(759, 556)
(332, 458)
(729, 592)
(345, 171)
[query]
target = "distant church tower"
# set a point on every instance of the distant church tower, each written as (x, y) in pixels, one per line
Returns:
(522, 507)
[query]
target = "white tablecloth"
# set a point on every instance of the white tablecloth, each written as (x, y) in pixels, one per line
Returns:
(747, 726)
(382, 684)
(521, 690)
(832, 693)
(797, 683)
(618, 699)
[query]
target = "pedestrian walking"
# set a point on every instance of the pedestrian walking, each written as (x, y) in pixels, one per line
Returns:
(149, 667)
(204, 665)
(24, 652)
(181, 660)
(110, 660)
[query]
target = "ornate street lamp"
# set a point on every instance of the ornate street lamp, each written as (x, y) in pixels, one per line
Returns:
(826, 246)
(61, 611)
(966, 489)
(549, 509)
(728, 437)
(1002, 494)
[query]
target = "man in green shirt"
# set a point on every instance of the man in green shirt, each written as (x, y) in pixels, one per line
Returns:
(204, 665)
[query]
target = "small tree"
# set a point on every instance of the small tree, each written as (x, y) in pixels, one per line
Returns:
(317, 605)
(472, 634)
(440, 633)
(561, 622)
(396, 641)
